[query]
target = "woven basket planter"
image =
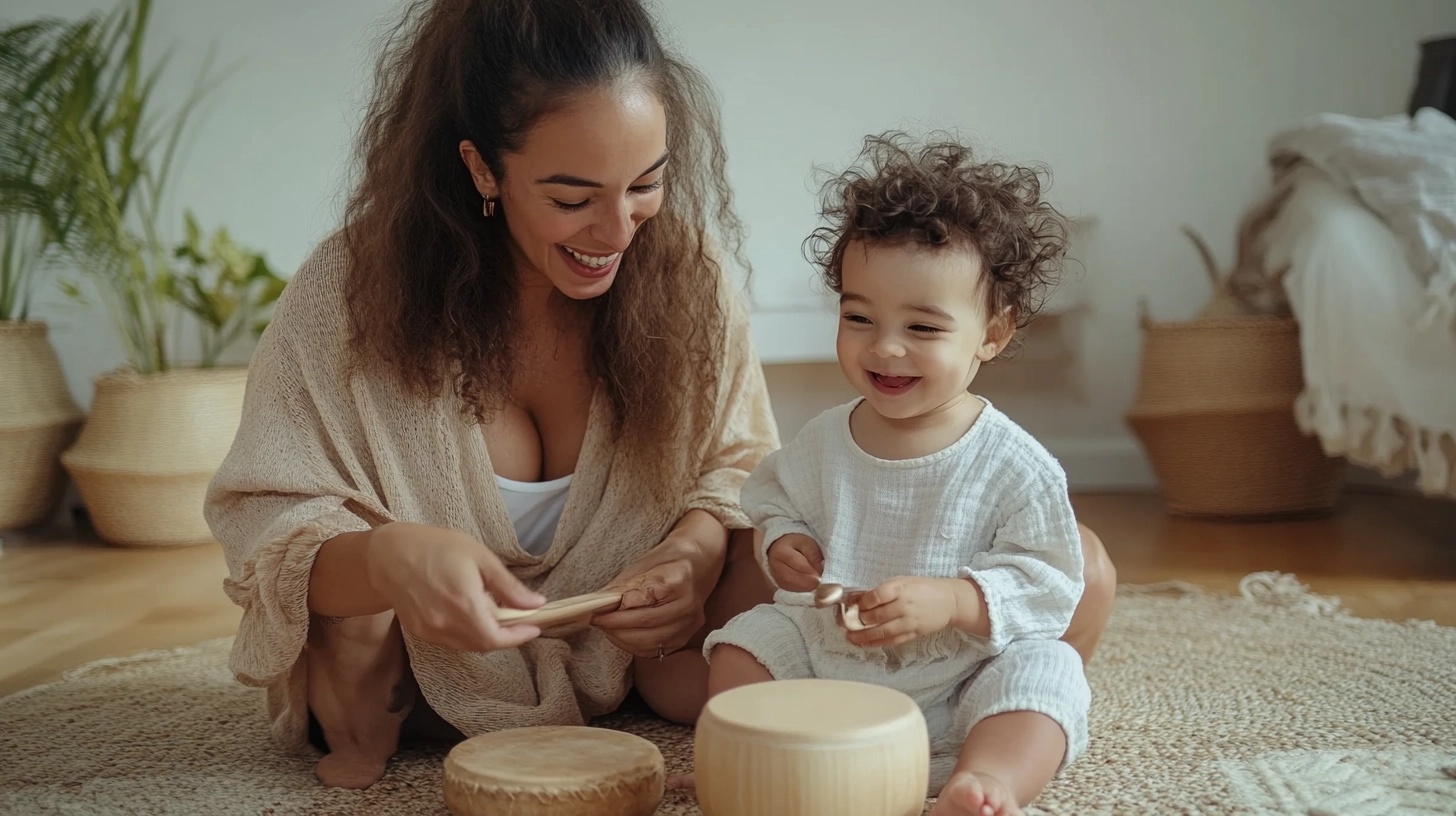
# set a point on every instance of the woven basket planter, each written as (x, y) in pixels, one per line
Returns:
(1215, 414)
(149, 449)
(38, 420)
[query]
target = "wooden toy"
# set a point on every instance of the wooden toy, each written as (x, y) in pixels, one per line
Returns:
(812, 748)
(558, 613)
(554, 771)
(846, 612)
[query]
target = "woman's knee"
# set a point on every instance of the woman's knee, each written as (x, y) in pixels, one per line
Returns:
(676, 687)
(1099, 575)
(743, 584)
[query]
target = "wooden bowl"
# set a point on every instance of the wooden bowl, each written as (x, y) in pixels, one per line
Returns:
(812, 748)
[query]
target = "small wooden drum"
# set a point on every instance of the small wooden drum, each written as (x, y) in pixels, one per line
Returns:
(812, 748)
(554, 771)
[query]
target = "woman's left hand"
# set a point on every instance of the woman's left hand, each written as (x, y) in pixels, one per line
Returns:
(663, 600)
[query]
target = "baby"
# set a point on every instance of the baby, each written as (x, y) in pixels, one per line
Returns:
(951, 520)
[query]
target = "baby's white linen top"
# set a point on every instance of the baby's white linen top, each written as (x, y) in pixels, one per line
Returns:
(992, 507)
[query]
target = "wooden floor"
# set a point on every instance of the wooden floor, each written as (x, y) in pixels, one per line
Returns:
(66, 601)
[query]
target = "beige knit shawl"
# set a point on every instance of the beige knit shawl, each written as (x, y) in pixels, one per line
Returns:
(322, 450)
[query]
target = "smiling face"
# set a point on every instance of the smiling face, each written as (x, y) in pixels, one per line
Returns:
(585, 179)
(914, 328)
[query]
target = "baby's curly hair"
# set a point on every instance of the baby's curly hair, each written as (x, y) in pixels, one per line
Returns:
(936, 194)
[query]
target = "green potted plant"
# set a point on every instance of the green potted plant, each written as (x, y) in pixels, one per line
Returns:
(160, 425)
(155, 439)
(38, 416)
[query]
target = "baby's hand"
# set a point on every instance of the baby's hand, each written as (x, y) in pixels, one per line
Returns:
(902, 609)
(796, 562)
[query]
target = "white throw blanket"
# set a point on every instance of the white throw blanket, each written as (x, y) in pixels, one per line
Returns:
(1379, 389)
(1404, 169)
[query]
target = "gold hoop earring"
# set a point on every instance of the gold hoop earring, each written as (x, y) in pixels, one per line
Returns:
(489, 208)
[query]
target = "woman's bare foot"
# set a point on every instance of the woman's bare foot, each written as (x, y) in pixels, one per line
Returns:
(361, 737)
(682, 781)
(339, 770)
(968, 793)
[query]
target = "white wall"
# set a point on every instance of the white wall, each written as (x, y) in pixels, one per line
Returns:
(270, 150)
(1151, 113)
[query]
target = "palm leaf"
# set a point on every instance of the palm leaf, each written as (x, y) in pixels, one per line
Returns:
(89, 148)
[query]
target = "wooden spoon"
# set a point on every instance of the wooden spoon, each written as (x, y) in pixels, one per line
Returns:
(564, 610)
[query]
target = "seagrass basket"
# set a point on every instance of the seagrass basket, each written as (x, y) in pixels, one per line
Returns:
(1215, 414)
(38, 420)
(149, 450)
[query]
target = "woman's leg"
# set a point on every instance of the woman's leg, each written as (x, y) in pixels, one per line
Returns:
(360, 690)
(1089, 621)
(677, 686)
(733, 666)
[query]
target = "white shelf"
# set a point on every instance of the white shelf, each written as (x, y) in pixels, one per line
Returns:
(798, 333)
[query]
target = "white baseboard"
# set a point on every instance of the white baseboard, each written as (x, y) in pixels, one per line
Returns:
(1103, 464)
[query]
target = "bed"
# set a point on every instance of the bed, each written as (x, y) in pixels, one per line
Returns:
(1367, 236)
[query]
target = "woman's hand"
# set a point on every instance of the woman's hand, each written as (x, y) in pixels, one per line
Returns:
(902, 609)
(664, 593)
(444, 586)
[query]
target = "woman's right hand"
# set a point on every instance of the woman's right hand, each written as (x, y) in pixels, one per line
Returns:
(444, 586)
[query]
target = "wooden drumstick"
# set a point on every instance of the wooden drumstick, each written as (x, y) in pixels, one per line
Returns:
(564, 610)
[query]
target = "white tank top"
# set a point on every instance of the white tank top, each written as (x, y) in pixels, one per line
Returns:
(535, 509)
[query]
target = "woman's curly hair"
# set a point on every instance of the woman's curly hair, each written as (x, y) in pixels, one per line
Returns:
(433, 284)
(936, 194)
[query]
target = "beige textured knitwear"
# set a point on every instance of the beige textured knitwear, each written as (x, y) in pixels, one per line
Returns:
(322, 451)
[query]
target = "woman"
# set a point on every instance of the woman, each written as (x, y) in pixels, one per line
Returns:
(517, 373)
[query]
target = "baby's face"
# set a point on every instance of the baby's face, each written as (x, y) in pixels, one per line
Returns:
(913, 326)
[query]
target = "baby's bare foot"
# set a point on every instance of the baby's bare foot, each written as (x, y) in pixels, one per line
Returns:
(975, 794)
(682, 782)
(342, 770)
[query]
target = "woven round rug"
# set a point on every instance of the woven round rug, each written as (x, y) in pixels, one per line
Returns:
(1275, 701)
